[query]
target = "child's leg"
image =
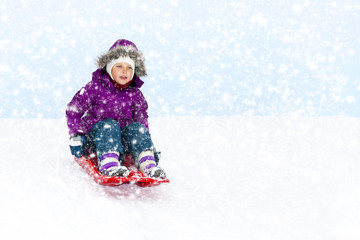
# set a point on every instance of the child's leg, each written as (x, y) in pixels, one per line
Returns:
(137, 141)
(106, 137)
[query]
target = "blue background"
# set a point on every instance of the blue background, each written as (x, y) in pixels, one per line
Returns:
(268, 58)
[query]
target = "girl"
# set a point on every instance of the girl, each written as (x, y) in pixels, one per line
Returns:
(109, 115)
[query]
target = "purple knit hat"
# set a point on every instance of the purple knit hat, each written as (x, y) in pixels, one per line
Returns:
(123, 43)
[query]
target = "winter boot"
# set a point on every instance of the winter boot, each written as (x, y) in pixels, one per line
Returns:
(156, 172)
(147, 165)
(109, 165)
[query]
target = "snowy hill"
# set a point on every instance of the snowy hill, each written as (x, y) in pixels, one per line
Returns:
(231, 178)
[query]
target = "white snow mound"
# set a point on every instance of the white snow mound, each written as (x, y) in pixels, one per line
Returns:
(231, 178)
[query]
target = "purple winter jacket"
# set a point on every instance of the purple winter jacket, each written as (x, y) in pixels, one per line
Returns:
(100, 99)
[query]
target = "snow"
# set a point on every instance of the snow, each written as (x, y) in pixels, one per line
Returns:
(197, 53)
(252, 104)
(231, 178)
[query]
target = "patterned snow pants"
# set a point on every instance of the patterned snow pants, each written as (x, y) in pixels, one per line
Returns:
(107, 135)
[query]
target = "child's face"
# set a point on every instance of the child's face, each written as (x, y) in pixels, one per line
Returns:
(122, 73)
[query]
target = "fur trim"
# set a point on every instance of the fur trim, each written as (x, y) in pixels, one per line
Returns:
(124, 51)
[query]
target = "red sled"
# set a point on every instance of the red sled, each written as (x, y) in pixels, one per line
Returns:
(135, 176)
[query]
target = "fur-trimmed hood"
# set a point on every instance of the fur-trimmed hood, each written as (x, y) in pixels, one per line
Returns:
(124, 48)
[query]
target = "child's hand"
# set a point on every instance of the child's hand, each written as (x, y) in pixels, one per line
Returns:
(77, 143)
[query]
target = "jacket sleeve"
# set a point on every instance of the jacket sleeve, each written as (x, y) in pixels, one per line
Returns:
(140, 111)
(76, 108)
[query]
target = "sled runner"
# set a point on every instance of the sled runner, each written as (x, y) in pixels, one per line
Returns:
(135, 176)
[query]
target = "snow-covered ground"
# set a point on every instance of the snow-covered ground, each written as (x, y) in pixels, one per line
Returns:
(231, 178)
